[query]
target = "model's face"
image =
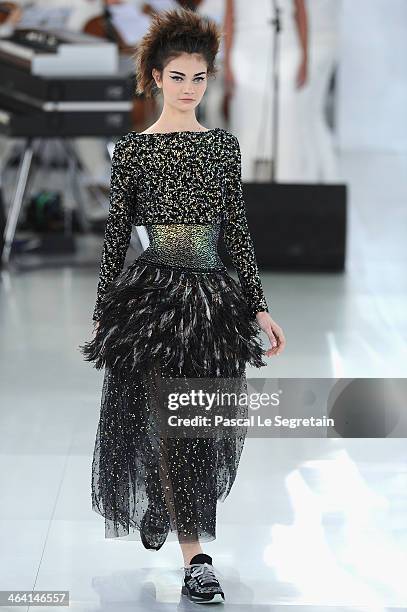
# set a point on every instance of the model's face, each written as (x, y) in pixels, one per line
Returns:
(184, 81)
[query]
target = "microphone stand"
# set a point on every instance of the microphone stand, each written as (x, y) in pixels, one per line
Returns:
(276, 23)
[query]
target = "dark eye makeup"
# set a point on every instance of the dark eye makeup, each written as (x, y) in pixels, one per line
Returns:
(197, 78)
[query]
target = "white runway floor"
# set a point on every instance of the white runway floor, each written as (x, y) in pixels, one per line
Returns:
(310, 524)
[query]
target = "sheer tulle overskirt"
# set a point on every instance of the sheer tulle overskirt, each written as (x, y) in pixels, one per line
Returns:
(161, 322)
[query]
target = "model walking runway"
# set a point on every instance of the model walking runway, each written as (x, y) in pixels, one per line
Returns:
(174, 312)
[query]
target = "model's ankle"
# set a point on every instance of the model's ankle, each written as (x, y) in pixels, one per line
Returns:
(187, 561)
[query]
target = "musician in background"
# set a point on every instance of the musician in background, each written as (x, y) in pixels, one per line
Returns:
(91, 151)
(7, 27)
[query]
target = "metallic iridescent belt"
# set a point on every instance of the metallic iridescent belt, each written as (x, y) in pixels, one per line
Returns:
(184, 245)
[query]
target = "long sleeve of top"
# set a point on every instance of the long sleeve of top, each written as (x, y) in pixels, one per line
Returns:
(237, 237)
(178, 178)
(119, 221)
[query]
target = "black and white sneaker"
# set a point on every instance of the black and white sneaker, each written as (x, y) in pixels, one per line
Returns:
(200, 582)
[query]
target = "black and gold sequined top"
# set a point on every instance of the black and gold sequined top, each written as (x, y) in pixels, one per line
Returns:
(168, 180)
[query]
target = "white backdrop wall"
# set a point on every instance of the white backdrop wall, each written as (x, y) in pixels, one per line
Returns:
(372, 79)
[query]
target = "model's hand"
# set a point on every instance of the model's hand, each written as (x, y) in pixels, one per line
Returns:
(273, 331)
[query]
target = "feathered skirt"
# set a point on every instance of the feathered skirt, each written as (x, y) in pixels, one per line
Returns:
(163, 323)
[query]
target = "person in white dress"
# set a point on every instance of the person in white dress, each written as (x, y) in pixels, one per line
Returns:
(306, 142)
(308, 54)
(324, 55)
(248, 75)
(213, 102)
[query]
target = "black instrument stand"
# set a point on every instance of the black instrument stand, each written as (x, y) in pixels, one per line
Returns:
(75, 171)
(276, 22)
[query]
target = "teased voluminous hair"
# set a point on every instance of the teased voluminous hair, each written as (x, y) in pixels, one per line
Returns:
(170, 34)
